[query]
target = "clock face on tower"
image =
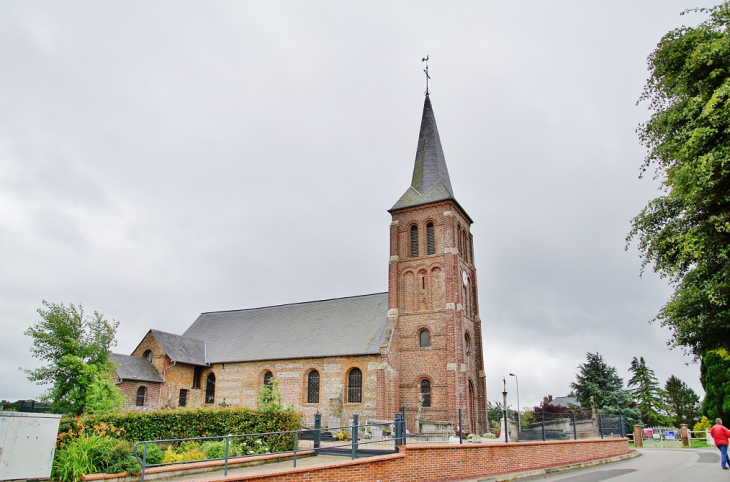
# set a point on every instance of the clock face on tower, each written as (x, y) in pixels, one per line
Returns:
(464, 277)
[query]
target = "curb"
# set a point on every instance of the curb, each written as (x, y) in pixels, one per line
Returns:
(554, 470)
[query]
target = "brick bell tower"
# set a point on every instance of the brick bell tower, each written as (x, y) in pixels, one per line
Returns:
(432, 347)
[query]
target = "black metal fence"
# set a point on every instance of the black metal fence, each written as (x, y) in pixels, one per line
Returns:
(27, 406)
(437, 425)
(354, 441)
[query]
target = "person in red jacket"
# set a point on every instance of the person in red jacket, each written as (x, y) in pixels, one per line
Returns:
(721, 434)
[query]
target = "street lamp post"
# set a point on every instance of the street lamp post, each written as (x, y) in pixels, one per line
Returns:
(519, 420)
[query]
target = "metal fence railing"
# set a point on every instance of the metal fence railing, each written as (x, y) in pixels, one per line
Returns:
(351, 440)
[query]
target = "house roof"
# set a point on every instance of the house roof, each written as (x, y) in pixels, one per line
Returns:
(564, 401)
(181, 349)
(430, 182)
(336, 327)
(135, 368)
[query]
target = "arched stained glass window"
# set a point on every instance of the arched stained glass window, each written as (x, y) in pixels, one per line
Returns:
(354, 386)
(141, 396)
(424, 339)
(210, 389)
(313, 387)
(426, 392)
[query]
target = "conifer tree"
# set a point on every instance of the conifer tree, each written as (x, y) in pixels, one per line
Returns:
(683, 404)
(647, 393)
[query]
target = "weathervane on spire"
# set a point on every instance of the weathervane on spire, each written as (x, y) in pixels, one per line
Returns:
(425, 71)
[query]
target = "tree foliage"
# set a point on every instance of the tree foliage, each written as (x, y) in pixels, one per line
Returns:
(683, 404)
(598, 380)
(647, 393)
(685, 232)
(75, 348)
(715, 378)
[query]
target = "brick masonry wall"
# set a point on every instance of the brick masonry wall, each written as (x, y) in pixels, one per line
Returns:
(428, 463)
(236, 383)
(129, 390)
(427, 292)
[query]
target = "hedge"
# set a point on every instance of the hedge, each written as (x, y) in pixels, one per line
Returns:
(182, 423)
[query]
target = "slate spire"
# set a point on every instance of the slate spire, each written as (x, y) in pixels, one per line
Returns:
(430, 181)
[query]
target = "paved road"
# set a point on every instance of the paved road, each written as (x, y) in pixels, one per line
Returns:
(655, 465)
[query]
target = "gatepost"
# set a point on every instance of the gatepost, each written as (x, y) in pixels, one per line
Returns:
(638, 442)
(685, 435)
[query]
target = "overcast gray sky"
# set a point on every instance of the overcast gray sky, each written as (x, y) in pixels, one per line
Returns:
(162, 159)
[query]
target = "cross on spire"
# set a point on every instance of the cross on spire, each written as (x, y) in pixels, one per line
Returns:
(425, 71)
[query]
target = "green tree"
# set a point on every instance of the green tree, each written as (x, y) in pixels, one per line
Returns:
(270, 399)
(75, 348)
(683, 404)
(685, 232)
(596, 379)
(715, 378)
(647, 393)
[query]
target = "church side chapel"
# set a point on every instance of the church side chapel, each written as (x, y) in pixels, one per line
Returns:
(417, 345)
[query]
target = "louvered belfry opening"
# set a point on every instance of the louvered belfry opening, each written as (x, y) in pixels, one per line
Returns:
(313, 387)
(354, 386)
(414, 241)
(429, 238)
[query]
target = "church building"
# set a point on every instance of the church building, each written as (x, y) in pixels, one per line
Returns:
(417, 345)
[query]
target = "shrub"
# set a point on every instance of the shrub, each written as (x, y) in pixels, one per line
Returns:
(123, 460)
(187, 446)
(193, 454)
(703, 424)
(186, 423)
(171, 457)
(215, 449)
(84, 455)
(155, 454)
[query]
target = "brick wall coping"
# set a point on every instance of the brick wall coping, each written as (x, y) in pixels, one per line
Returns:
(281, 473)
(468, 445)
(197, 467)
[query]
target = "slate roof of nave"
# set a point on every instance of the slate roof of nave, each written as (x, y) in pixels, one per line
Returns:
(181, 349)
(336, 327)
(135, 368)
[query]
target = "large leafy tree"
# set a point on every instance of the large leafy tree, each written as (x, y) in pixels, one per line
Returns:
(685, 232)
(715, 378)
(683, 404)
(75, 348)
(647, 393)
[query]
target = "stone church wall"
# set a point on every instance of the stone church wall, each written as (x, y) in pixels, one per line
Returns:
(236, 384)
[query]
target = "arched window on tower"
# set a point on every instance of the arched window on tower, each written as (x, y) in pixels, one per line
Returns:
(467, 343)
(268, 378)
(141, 396)
(424, 339)
(431, 248)
(313, 387)
(210, 389)
(354, 386)
(414, 241)
(426, 392)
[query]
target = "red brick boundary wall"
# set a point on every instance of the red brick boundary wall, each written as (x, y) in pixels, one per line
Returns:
(428, 463)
